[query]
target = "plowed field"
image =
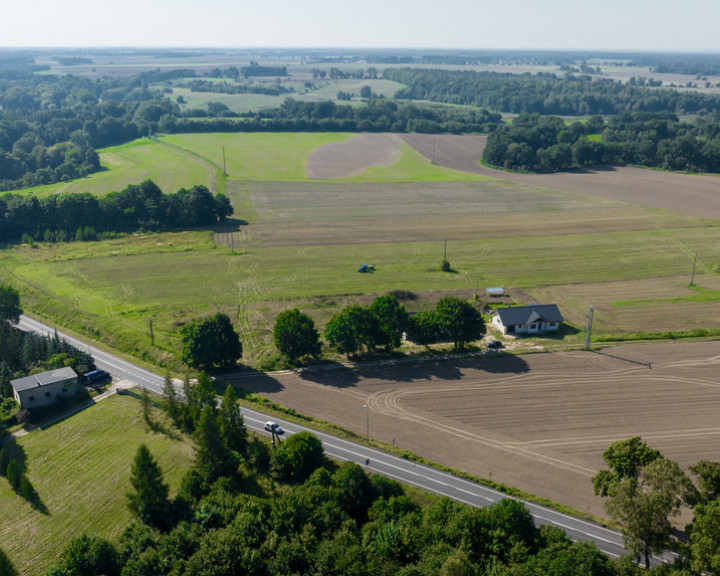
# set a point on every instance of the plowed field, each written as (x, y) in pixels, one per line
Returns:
(539, 422)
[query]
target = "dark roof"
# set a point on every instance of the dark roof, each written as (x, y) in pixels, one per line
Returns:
(529, 314)
(44, 379)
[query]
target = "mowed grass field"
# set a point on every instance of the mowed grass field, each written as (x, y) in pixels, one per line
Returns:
(80, 468)
(132, 163)
(304, 240)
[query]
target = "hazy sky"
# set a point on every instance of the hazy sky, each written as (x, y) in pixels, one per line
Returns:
(689, 25)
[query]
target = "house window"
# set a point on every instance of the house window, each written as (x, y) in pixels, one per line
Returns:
(47, 394)
(31, 398)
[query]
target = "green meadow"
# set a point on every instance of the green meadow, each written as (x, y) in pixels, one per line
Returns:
(301, 242)
(80, 468)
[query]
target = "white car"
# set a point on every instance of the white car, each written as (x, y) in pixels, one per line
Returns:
(271, 426)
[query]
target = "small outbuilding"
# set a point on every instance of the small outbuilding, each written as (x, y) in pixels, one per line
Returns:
(534, 319)
(46, 388)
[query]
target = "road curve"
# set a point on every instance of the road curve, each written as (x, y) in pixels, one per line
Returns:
(405, 471)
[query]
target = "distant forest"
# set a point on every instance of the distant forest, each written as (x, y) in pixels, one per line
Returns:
(52, 125)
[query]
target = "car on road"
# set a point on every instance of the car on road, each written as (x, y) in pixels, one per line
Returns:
(495, 344)
(271, 426)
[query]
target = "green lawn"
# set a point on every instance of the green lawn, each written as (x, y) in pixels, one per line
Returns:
(81, 469)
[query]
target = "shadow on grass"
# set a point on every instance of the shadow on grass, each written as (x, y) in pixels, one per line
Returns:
(648, 364)
(22, 487)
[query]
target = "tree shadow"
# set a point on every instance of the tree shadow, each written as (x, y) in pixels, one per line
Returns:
(414, 370)
(16, 453)
(332, 374)
(502, 363)
(229, 225)
(252, 382)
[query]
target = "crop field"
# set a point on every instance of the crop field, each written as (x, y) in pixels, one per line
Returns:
(80, 468)
(539, 422)
(302, 241)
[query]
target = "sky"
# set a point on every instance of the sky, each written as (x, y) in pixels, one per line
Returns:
(616, 25)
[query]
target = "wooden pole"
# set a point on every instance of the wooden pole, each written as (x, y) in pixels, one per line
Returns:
(692, 278)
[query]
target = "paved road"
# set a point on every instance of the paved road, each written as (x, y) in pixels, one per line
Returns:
(430, 479)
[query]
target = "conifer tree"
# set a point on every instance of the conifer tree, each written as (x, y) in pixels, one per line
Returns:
(149, 498)
(231, 424)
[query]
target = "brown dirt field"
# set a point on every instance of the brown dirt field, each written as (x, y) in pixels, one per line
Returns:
(539, 422)
(684, 193)
(353, 156)
(654, 305)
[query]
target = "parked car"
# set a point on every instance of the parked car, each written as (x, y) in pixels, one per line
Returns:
(495, 344)
(271, 426)
(95, 377)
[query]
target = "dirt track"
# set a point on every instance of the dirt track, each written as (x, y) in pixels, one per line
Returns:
(539, 422)
(687, 194)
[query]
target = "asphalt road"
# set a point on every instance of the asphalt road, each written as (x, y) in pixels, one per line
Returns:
(407, 472)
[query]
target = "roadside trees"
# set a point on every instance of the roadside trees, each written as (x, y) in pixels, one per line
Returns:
(459, 320)
(295, 335)
(390, 320)
(10, 310)
(348, 329)
(211, 343)
(644, 491)
(297, 458)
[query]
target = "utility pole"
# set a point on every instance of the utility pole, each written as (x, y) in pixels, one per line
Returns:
(224, 168)
(367, 421)
(692, 278)
(445, 252)
(588, 327)
(232, 242)
(152, 335)
(433, 151)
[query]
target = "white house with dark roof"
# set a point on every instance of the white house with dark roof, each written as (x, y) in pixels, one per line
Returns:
(534, 319)
(44, 389)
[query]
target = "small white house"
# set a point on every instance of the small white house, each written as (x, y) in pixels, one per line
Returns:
(46, 388)
(534, 319)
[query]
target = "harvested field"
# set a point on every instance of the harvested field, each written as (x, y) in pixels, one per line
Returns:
(539, 422)
(352, 156)
(684, 193)
(640, 305)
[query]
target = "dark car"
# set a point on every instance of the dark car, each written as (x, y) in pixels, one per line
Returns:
(495, 344)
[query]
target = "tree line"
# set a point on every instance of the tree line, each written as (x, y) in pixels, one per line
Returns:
(65, 217)
(545, 93)
(659, 140)
(213, 344)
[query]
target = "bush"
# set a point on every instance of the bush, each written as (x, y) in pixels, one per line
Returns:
(23, 417)
(14, 473)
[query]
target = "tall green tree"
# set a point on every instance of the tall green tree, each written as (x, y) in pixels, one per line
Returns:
(149, 498)
(423, 328)
(213, 459)
(231, 424)
(644, 499)
(459, 320)
(295, 335)
(708, 475)
(348, 329)
(705, 538)
(10, 310)
(171, 401)
(211, 343)
(391, 320)
(625, 459)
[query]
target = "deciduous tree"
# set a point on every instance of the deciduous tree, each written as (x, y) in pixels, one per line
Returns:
(211, 343)
(459, 320)
(295, 334)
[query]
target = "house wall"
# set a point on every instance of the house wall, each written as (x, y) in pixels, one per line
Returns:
(46, 395)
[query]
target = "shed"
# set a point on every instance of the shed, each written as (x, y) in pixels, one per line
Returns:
(499, 291)
(45, 388)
